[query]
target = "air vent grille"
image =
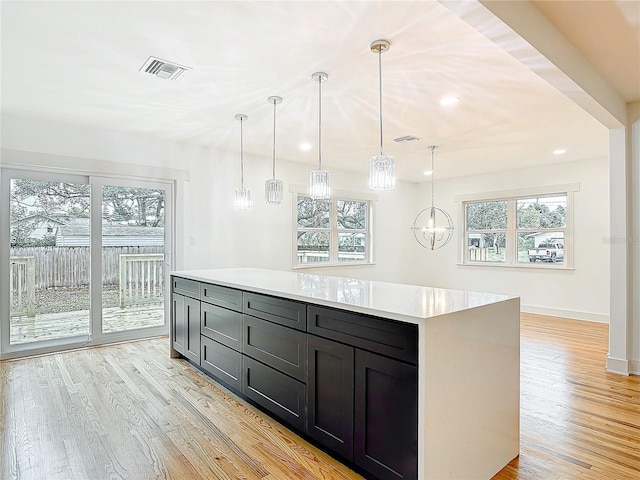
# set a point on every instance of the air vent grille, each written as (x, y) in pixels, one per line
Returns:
(163, 69)
(406, 138)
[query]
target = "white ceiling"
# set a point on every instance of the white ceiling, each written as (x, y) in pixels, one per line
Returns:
(78, 62)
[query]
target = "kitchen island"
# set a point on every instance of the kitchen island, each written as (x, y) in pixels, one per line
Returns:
(401, 381)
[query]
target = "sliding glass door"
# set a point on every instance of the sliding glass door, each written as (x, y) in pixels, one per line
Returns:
(48, 282)
(133, 256)
(85, 260)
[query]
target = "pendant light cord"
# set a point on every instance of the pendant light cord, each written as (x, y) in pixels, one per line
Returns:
(319, 122)
(433, 172)
(241, 156)
(274, 139)
(380, 90)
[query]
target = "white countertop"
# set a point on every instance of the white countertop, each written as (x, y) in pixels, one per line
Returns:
(407, 303)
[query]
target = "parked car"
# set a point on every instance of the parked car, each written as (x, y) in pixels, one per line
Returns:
(547, 252)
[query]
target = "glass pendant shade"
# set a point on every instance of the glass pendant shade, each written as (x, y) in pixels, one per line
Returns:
(381, 167)
(273, 191)
(382, 172)
(243, 199)
(320, 180)
(320, 184)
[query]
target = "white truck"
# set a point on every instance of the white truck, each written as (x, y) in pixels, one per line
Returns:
(547, 252)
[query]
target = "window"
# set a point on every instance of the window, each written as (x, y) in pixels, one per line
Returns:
(332, 232)
(520, 230)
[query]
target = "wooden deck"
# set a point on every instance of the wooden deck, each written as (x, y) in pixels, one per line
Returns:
(52, 326)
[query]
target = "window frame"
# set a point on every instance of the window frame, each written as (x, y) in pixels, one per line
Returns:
(333, 229)
(511, 244)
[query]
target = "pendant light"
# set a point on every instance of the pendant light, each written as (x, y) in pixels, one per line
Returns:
(320, 180)
(243, 195)
(273, 187)
(433, 227)
(381, 167)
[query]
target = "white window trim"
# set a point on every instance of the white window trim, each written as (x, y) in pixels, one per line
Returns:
(513, 194)
(371, 199)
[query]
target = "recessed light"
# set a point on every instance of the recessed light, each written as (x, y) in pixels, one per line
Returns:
(559, 151)
(449, 101)
(428, 172)
(305, 147)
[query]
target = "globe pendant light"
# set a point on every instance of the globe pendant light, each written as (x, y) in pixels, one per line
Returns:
(243, 195)
(272, 187)
(381, 167)
(320, 180)
(433, 227)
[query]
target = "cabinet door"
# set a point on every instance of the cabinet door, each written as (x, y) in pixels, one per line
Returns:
(276, 392)
(221, 362)
(330, 394)
(192, 329)
(178, 323)
(276, 346)
(222, 325)
(386, 416)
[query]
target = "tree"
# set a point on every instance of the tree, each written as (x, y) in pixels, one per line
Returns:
(488, 216)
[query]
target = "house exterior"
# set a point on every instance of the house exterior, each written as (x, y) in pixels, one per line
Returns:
(76, 234)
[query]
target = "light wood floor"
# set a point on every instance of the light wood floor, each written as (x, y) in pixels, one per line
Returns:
(129, 411)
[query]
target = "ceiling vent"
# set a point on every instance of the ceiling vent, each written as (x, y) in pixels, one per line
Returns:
(163, 69)
(406, 138)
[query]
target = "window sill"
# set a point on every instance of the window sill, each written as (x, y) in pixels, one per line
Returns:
(530, 266)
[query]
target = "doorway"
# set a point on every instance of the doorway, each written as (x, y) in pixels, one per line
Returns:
(86, 260)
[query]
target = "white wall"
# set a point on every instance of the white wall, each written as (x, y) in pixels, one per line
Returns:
(579, 293)
(222, 236)
(263, 235)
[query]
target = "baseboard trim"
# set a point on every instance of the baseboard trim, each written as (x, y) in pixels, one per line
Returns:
(558, 312)
(618, 365)
(634, 367)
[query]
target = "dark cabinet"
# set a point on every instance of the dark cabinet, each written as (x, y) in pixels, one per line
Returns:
(186, 326)
(348, 380)
(277, 310)
(276, 392)
(221, 296)
(330, 394)
(279, 347)
(386, 416)
(222, 325)
(223, 363)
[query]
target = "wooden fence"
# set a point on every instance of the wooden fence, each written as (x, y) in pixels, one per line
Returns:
(69, 266)
(140, 277)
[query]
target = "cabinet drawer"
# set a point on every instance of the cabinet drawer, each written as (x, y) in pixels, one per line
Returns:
(222, 296)
(285, 312)
(221, 362)
(279, 394)
(221, 325)
(190, 288)
(397, 340)
(279, 347)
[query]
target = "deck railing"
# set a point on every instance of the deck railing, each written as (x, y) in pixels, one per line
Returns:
(141, 278)
(22, 286)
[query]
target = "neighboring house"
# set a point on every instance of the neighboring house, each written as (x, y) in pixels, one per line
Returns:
(40, 225)
(76, 234)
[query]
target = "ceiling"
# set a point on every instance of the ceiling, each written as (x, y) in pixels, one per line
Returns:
(78, 62)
